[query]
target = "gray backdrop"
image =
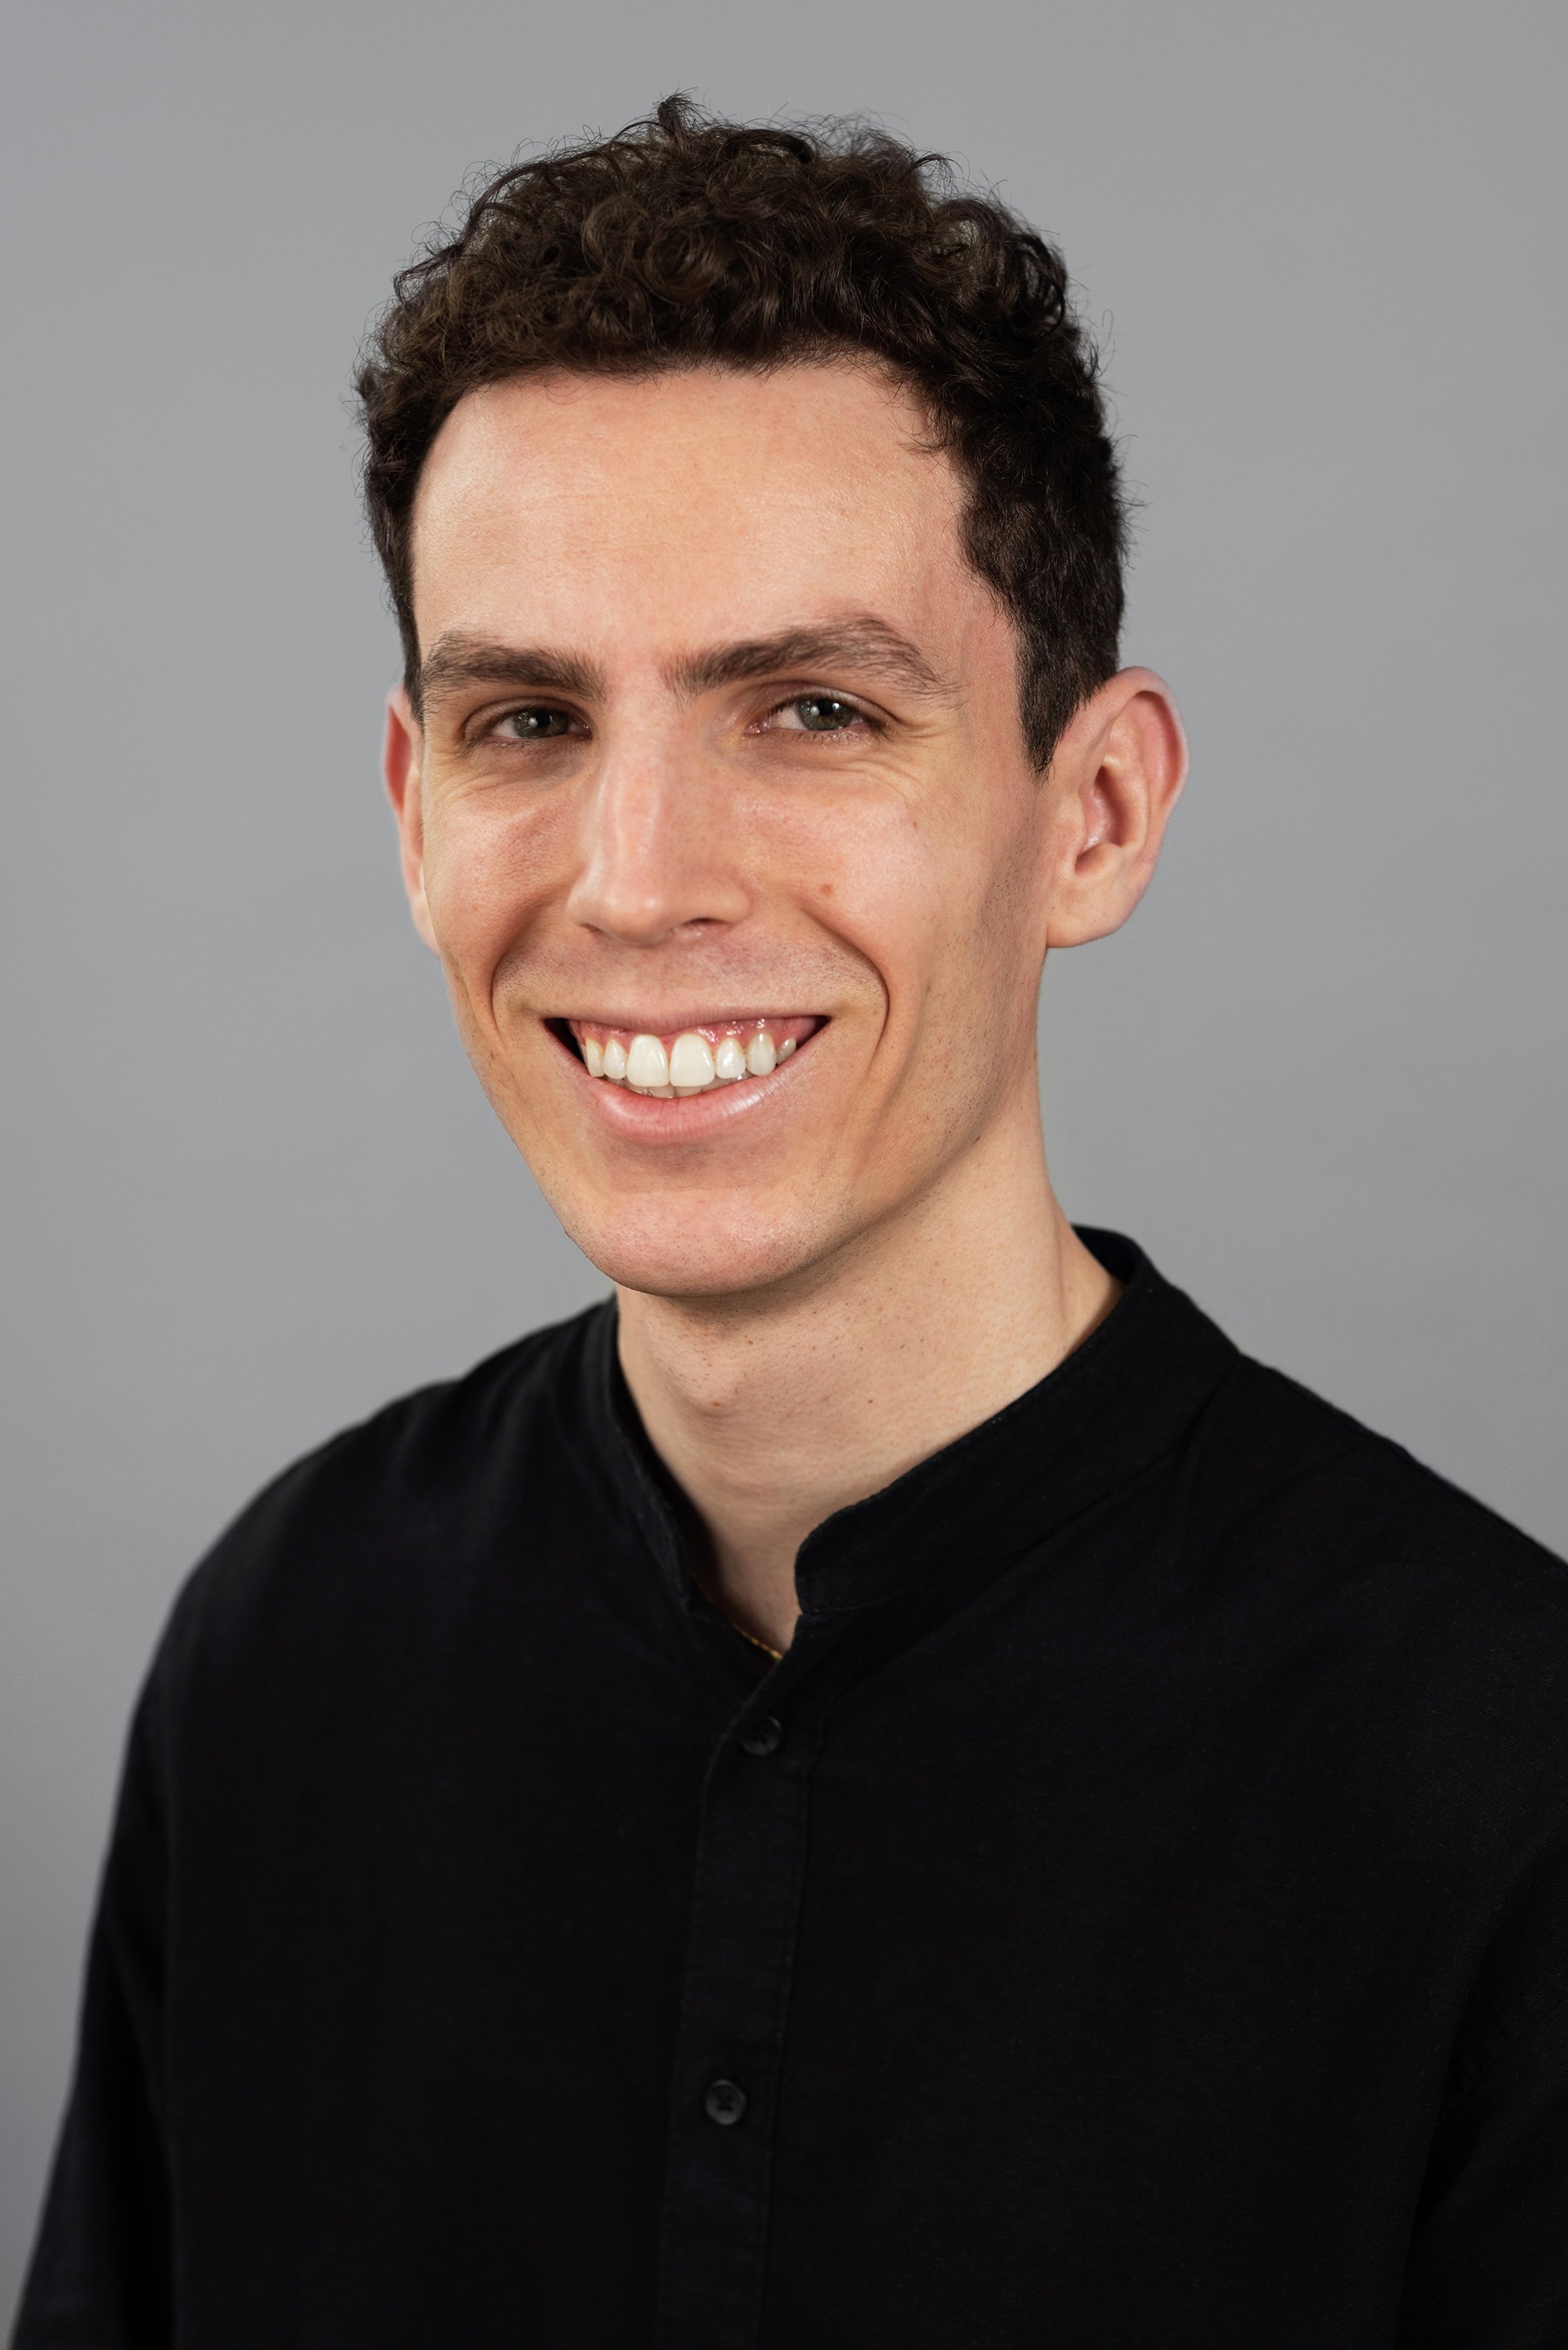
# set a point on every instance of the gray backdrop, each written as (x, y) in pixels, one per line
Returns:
(252, 1190)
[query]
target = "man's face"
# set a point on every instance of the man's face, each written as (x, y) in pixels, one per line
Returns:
(720, 742)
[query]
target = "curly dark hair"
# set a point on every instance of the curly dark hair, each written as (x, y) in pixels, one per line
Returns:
(685, 241)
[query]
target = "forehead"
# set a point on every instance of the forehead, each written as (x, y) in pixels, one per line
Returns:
(702, 504)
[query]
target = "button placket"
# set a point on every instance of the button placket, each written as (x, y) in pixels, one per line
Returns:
(750, 1863)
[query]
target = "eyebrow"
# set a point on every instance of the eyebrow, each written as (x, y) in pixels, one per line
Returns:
(458, 660)
(863, 643)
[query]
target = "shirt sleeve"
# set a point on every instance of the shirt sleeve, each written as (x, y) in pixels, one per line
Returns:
(1489, 2260)
(100, 2274)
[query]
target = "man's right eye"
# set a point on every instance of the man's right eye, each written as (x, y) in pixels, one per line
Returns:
(535, 724)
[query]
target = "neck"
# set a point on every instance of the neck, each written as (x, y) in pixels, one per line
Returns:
(773, 1410)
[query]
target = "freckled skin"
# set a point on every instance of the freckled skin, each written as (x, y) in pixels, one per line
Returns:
(687, 852)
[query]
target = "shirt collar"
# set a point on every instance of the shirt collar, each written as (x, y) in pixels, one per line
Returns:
(1113, 1406)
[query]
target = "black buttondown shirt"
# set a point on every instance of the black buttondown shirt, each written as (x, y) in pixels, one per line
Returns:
(1133, 1915)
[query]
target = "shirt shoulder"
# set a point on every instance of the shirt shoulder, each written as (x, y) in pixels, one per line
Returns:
(1416, 1645)
(1440, 1630)
(1275, 1462)
(414, 1500)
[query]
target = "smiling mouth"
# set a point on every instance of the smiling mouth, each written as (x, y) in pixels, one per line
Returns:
(676, 1063)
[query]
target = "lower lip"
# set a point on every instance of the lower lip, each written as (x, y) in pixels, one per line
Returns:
(648, 1117)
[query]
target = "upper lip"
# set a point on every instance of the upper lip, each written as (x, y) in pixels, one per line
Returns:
(664, 1025)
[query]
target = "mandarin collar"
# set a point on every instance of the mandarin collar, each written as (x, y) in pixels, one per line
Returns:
(1123, 1396)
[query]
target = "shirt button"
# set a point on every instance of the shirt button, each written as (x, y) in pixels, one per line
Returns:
(724, 2103)
(763, 1737)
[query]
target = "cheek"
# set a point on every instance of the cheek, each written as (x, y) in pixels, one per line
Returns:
(876, 884)
(958, 921)
(943, 903)
(488, 871)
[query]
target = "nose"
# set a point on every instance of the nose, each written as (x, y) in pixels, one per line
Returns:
(657, 856)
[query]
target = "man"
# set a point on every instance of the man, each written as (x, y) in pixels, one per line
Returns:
(885, 1787)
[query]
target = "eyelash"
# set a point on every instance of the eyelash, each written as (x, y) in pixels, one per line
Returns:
(791, 700)
(822, 694)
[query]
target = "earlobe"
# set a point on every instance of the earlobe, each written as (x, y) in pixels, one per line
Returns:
(403, 751)
(1119, 772)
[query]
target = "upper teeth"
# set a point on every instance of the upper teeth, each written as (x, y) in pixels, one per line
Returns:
(646, 1064)
(690, 1066)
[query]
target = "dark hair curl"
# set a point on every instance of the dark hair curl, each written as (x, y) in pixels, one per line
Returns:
(684, 241)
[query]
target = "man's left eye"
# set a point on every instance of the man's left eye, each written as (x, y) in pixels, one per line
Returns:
(820, 714)
(537, 724)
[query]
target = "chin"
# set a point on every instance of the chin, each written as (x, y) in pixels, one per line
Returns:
(706, 1249)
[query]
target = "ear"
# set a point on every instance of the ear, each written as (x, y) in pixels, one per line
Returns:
(1114, 777)
(400, 757)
